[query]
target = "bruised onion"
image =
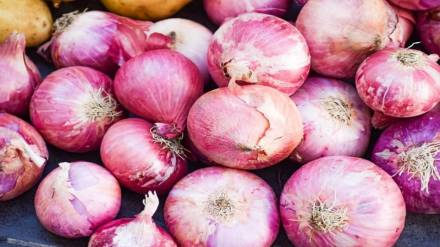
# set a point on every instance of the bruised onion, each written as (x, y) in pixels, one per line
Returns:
(218, 206)
(73, 107)
(417, 4)
(342, 201)
(428, 26)
(261, 49)
(76, 198)
(23, 155)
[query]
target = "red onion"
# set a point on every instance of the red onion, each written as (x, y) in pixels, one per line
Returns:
(222, 207)
(18, 75)
(23, 155)
(73, 107)
(336, 121)
(140, 158)
(185, 36)
(404, 28)
(428, 26)
(221, 10)
(259, 49)
(246, 127)
(399, 82)
(76, 198)
(96, 39)
(342, 201)
(138, 231)
(301, 2)
(342, 33)
(417, 4)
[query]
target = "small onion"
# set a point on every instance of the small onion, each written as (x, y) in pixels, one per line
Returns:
(399, 82)
(342, 201)
(222, 207)
(76, 198)
(73, 107)
(259, 49)
(381, 121)
(23, 156)
(417, 4)
(428, 26)
(301, 2)
(336, 121)
(404, 28)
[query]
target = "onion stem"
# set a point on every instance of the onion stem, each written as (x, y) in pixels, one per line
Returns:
(327, 219)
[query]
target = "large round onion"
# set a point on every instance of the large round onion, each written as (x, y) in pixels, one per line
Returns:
(222, 207)
(342, 201)
(428, 26)
(399, 82)
(336, 121)
(23, 155)
(246, 127)
(76, 198)
(73, 107)
(140, 158)
(259, 49)
(417, 4)
(342, 33)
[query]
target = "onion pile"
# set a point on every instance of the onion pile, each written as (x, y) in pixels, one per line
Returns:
(428, 25)
(417, 4)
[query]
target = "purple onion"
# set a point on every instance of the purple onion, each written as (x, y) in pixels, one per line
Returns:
(428, 26)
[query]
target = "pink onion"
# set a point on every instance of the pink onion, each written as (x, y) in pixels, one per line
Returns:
(138, 231)
(23, 155)
(404, 28)
(399, 82)
(73, 107)
(342, 201)
(221, 10)
(140, 158)
(259, 49)
(336, 121)
(76, 198)
(222, 207)
(417, 4)
(428, 26)
(381, 121)
(18, 75)
(246, 127)
(342, 33)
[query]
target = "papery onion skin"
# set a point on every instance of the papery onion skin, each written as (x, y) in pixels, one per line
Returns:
(336, 121)
(417, 4)
(245, 127)
(428, 26)
(216, 206)
(73, 107)
(340, 40)
(256, 48)
(399, 82)
(348, 202)
(23, 156)
(76, 198)
(404, 28)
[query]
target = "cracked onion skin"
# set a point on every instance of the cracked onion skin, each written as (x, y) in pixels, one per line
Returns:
(23, 156)
(417, 4)
(428, 26)
(246, 127)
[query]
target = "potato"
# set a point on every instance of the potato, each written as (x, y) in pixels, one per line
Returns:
(31, 17)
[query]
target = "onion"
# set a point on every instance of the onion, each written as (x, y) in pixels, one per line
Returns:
(140, 158)
(23, 155)
(185, 36)
(404, 28)
(342, 201)
(259, 49)
(342, 33)
(221, 10)
(428, 26)
(76, 198)
(217, 206)
(336, 121)
(246, 127)
(417, 4)
(399, 82)
(18, 75)
(301, 2)
(138, 231)
(381, 121)
(73, 107)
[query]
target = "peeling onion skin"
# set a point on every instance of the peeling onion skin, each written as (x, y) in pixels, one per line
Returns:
(23, 156)
(215, 206)
(73, 107)
(336, 121)
(246, 127)
(260, 49)
(417, 4)
(428, 26)
(404, 28)
(76, 198)
(369, 204)
(399, 82)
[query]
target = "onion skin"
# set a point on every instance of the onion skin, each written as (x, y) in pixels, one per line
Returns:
(428, 26)
(73, 107)
(417, 4)
(261, 49)
(216, 206)
(336, 121)
(381, 121)
(351, 188)
(23, 156)
(76, 198)
(399, 82)
(404, 28)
